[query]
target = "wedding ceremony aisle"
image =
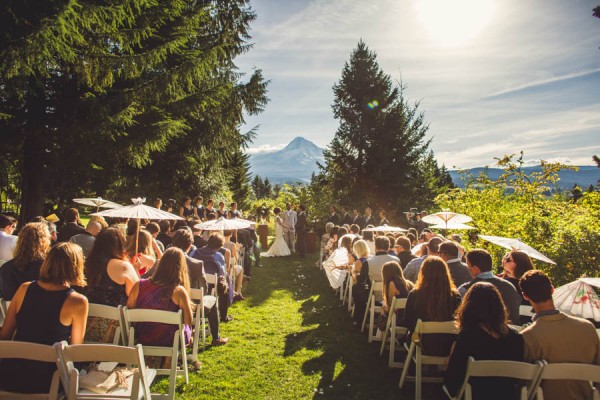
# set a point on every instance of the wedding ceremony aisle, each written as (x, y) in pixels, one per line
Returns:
(291, 339)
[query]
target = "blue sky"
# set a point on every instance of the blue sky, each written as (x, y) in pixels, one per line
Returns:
(493, 77)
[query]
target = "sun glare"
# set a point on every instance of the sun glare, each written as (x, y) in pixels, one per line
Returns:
(452, 23)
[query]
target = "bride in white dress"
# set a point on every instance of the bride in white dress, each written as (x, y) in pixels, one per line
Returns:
(279, 248)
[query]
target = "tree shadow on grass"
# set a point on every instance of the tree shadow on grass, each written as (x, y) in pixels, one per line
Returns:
(349, 367)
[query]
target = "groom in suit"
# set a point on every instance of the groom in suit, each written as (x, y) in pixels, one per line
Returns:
(301, 231)
(289, 218)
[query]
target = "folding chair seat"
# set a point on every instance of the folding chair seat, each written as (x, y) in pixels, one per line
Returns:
(112, 313)
(138, 384)
(33, 352)
(525, 372)
(393, 331)
(416, 355)
(175, 351)
(372, 308)
(569, 371)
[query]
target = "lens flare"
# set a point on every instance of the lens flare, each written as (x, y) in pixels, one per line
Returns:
(373, 104)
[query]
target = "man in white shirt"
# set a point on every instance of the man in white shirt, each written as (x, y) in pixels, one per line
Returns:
(289, 219)
(8, 241)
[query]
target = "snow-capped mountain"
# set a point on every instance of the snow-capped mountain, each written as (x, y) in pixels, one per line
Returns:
(294, 163)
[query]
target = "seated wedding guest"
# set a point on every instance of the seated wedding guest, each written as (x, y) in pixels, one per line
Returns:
(235, 270)
(158, 203)
(479, 262)
(333, 240)
(199, 241)
(165, 233)
(145, 258)
(514, 264)
(484, 335)
(214, 263)
(8, 241)
(110, 277)
(431, 248)
(412, 238)
(403, 247)
(355, 229)
(392, 250)
(154, 230)
(394, 286)
(168, 290)
(71, 227)
(100, 220)
(45, 311)
(327, 235)
(370, 271)
(360, 249)
(434, 298)
(86, 240)
(33, 244)
(346, 243)
(557, 338)
(450, 253)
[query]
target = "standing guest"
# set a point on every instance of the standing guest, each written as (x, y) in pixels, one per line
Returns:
(484, 335)
(246, 238)
(383, 218)
(186, 211)
(403, 250)
(289, 219)
(301, 231)
(479, 262)
(33, 244)
(45, 311)
(221, 211)
(234, 212)
(72, 226)
(199, 208)
(168, 290)
(165, 236)
(8, 241)
(346, 217)
(557, 338)
(434, 298)
(209, 208)
(86, 240)
(358, 219)
(110, 278)
(369, 218)
(333, 215)
(394, 286)
(450, 253)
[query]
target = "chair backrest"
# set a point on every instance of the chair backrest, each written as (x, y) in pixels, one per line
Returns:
(147, 315)
(85, 353)
(573, 371)
(196, 294)
(377, 286)
(526, 311)
(436, 327)
(112, 313)
(502, 369)
(211, 279)
(4, 304)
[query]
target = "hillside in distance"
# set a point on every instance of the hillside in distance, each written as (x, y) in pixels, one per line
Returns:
(586, 176)
(294, 163)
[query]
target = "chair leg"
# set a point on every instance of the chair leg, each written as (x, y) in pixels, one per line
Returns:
(364, 322)
(409, 356)
(371, 321)
(418, 376)
(392, 345)
(350, 295)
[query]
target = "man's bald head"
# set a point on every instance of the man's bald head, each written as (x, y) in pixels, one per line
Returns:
(93, 228)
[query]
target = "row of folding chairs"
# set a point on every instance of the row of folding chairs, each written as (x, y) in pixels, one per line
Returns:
(67, 356)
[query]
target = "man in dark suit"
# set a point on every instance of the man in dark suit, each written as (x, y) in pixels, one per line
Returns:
(334, 218)
(459, 271)
(244, 237)
(71, 227)
(301, 231)
(358, 219)
(346, 217)
(369, 218)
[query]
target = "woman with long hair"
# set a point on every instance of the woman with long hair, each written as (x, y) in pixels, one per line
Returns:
(46, 310)
(515, 263)
(394, 286)
(434, 298)
(33, 244)
(145, 257)
(110, 278)
(186, 211)
(167, 289)
(484, 335)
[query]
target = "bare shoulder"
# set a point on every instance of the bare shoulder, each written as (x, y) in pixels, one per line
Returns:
(76, 301)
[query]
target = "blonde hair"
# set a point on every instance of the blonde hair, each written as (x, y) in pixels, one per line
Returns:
(361, 248)
(63, 264)
(100, 220)
(33, 244)
(144, 245)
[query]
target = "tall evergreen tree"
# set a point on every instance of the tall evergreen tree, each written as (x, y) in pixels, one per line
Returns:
(379, 148)
(239, 179)
(137, 96)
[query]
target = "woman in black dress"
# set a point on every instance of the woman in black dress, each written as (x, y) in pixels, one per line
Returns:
(484, 335)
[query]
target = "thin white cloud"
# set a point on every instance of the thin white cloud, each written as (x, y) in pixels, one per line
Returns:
(266, 148)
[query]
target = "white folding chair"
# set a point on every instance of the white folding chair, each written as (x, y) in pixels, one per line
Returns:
(349, 294)
(197, 296)
(176, 350)
(112, 313)
(415, 353)
(211, 279)
(138, 384)
(499, 369)
(569, 371)
(33, 352)
(3, 310)
(372, 309)
(241, 255)
(394, 331)
(526, 311)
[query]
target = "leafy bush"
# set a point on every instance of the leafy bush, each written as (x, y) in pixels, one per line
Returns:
(517, 205)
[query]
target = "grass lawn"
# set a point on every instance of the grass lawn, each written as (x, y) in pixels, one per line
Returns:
(291, 339)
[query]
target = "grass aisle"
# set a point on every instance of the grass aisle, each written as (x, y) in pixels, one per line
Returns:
(291, 339)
